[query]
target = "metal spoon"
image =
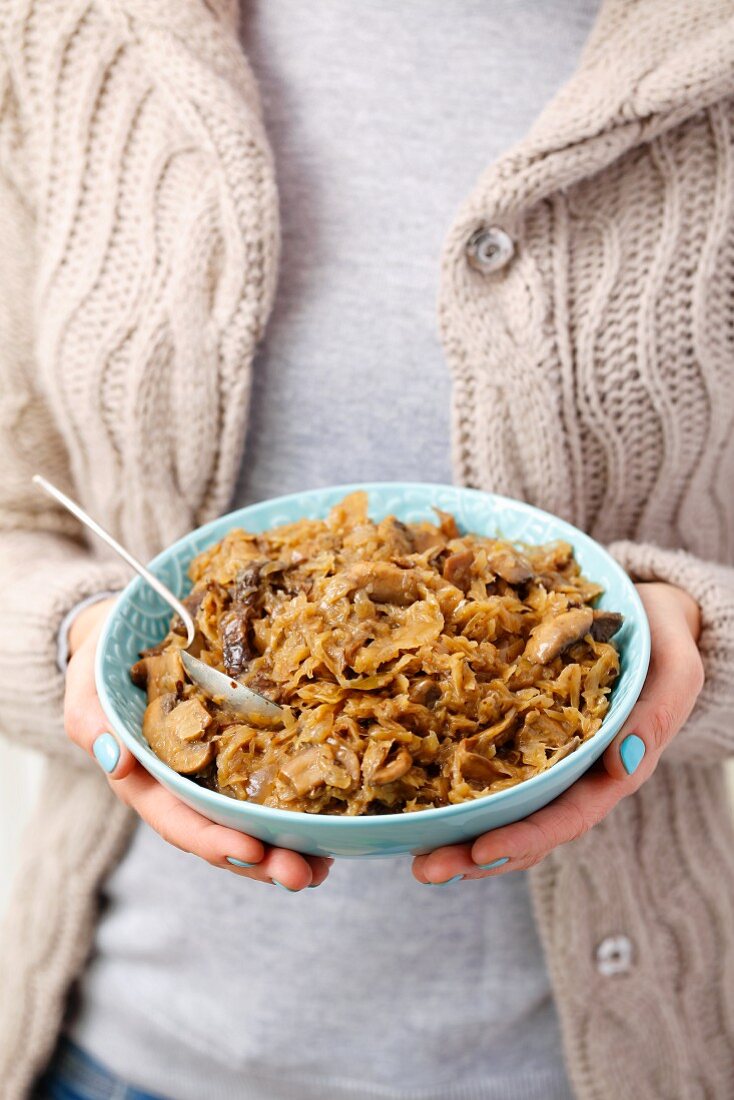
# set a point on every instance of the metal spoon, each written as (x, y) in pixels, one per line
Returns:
(217, 685)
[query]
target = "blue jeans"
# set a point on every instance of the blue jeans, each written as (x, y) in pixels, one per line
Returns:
(74, 1075)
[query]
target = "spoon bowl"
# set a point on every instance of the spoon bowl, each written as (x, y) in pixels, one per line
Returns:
(217, 685)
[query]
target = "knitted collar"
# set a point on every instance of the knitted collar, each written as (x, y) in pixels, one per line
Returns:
(648, 65)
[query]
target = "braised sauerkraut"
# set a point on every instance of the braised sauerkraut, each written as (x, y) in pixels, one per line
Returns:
(416, 666)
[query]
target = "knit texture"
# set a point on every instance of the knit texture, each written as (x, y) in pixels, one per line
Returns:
(592, 376)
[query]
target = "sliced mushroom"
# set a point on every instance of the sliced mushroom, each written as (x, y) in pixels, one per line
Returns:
(509, 564)
(189, 720)
(471, 765)
(605, 624)
(160, 730)
(160, 673)
(238, 646)
(457, 569)
(236, 635)
(303, 771)
(383, 581)
(425, 692)
(378, 773)
(552, 636)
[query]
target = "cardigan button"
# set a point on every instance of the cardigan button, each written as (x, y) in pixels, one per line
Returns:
(614, 955)
(489, 249)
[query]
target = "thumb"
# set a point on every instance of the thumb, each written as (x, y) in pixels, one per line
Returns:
(667, 699)
(84, 720)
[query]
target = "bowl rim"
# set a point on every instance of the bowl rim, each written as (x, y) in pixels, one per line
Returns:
(208, 798)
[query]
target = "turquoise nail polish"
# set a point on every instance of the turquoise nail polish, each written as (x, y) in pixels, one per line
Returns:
(632, 751)
(282, 886)
(239, 862)
(456, 878)
(107, 752)
(494, 863)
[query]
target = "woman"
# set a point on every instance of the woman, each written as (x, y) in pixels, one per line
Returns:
(585, 314)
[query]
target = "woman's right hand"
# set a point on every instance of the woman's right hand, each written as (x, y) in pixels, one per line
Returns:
(87, 726)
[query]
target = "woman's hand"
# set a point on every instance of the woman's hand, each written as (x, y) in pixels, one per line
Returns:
(673, 684)
(181, 826)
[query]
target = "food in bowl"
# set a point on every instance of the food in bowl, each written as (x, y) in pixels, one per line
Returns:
(416, 666)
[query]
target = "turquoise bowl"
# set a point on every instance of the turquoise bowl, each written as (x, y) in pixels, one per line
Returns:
(140, 619)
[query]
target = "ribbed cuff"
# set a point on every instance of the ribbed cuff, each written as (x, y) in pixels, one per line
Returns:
(44, 578)
(710, 730)
(62, 639)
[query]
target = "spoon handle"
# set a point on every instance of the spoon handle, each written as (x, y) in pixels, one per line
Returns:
(164, 592)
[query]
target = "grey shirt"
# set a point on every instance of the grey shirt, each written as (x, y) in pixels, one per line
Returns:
(382, 116)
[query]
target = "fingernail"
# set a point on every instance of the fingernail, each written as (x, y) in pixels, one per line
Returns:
(632, 751)
(448, 881)
(107, 752)
(494, 863)
(314, 885)
(239, 862)
(282, 886)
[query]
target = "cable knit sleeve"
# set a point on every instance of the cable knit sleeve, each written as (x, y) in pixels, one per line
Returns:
(140, 241)
(709, 734)
(45, 566)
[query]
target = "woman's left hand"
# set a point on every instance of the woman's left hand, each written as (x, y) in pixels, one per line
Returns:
(672, 686)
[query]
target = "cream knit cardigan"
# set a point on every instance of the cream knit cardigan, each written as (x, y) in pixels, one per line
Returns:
(593, 376)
